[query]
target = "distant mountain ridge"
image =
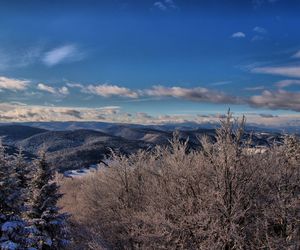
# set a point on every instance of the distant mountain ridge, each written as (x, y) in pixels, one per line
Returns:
(17, 132)
(103, 126)
(74, 145)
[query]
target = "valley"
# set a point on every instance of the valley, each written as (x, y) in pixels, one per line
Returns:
(71, 146)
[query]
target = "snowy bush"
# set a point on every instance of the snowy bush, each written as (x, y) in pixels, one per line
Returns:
(171, 198)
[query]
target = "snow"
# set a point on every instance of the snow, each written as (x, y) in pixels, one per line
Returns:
(85, 171)
(9, 245)
(81, 172)
(48, 242)
(9, 226)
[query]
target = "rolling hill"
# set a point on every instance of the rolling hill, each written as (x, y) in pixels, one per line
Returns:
(76, 148)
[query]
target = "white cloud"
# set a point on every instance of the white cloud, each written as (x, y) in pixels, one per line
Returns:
(63, 90)
(198, 94)
(23, 57)
(46, 88)
(260, 34)
(107, 90)
(255, 88)
(10, 112)
(238, 35)
(297, 54)
(61, 54)
(75, 85)
(165, 5)
(287, 83)
(260, 30)
(290, 71)
(13, 84)
(192, 94)
(29, 56)
(15, 112)
(171, 4)
(160, 5)
(280, 99)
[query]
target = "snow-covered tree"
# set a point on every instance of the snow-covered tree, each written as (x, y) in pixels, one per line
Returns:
(12, 227)
(22, 169)
(292, 149)
(48, 224)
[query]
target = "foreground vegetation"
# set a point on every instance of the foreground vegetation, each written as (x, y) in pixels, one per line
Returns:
(29, 216)
(220, 197)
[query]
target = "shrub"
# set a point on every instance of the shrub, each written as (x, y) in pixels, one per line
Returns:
(219, 197)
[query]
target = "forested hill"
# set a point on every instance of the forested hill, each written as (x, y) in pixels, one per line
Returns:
(76, 148)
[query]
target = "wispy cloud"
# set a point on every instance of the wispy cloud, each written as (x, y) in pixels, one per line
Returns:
(75, 85)
(260, 33)
(238, 35)
(264, 115)
(255, 88)
(259, 3)
(37, 54)
(290, 71)
(15, 112)
(221, 83)
(198, 94)
(13, 84)
(160, 5)
(21, 113)
(63, 90)
(46, 88)
(192, 94)
(165, 5)
(287, 83)
(107, 90)
(19, 58)
(62, 54)
(280, 99)
(28, 57)
(297, 54)
(171, 4)
(260, 30)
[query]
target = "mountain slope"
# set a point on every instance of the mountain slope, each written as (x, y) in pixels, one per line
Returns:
(12, 133)
(71, 149)
(79, 148)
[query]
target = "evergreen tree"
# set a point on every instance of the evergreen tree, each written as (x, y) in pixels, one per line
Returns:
(48, 224)
(12, 227)
(22, 170)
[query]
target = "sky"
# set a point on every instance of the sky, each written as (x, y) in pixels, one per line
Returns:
(150, 61)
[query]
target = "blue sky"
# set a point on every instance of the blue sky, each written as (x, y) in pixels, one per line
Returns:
(150, 61)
